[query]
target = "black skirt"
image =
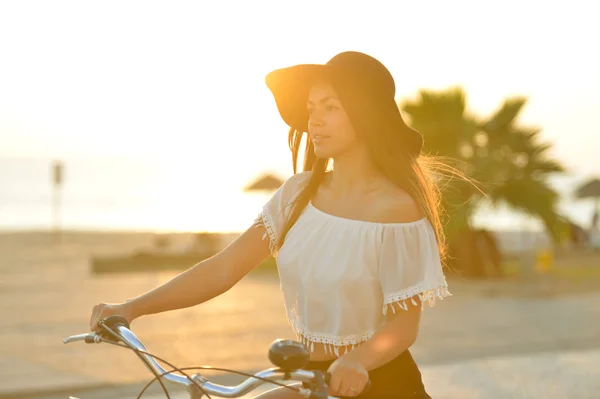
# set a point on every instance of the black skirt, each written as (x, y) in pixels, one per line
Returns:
(398, 379)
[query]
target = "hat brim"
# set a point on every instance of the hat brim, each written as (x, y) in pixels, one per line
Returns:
(290, 88)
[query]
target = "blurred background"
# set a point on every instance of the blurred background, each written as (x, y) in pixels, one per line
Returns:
(139, 138)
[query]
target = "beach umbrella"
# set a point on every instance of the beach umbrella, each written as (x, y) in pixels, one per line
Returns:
(591, 189)
(267, 182)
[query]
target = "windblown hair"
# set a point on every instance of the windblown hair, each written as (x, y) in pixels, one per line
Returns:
(414, 174)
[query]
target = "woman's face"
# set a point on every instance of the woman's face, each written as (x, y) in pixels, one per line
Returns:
(329, 127)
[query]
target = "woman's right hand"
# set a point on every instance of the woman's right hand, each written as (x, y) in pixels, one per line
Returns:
(104, 310)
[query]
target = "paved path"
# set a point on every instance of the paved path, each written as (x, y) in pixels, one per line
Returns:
(551, 375)
(460, 328)
(42, 301)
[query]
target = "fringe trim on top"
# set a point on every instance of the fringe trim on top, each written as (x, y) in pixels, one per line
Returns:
(332, 344)
(264, 219)
(425, 295)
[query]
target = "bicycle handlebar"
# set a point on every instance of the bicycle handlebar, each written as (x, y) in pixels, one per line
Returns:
(120, 327)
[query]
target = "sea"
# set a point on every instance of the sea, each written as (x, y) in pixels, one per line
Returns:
(144, 195)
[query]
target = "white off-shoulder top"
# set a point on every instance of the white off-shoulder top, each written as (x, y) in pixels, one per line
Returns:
(339, 276)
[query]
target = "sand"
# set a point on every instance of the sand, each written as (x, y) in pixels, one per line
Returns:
(47, 293)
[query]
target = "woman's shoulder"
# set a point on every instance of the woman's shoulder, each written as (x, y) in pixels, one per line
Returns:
(297, 180)
(291, 187)
(395, 205)
(300, 176)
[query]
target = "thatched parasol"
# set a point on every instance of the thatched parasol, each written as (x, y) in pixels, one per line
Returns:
(591, 189)
(265, 182)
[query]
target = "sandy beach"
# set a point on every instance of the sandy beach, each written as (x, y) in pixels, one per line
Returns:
(47, 292)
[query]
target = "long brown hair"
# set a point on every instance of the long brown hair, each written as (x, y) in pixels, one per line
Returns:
(414, 174)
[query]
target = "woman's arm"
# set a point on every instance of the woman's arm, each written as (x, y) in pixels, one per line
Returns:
(402, 326)
(396, 336)
(350, 372)
(208, 279)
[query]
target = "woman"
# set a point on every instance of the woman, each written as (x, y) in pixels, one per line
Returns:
(358, 243)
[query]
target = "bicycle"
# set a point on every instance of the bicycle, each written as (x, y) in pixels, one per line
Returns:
(288, 356)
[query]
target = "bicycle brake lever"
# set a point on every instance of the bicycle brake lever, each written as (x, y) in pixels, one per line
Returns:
(111, 322)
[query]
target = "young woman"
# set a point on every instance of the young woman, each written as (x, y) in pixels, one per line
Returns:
(356, 235)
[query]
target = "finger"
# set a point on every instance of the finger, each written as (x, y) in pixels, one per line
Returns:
(97, 319)
(93, 316)
(346, 389)
(94, 324)
(354, 386)
(347, 384)
(93, 312)
(334, 384)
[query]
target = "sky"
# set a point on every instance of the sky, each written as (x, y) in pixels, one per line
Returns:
(182, 83)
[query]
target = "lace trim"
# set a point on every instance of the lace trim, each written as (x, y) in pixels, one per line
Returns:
(425, 294)
(264, 219)
(332, 343)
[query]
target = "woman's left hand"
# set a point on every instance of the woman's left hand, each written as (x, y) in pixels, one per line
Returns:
(348, 377)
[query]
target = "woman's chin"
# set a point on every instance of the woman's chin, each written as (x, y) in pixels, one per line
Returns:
(323, 153)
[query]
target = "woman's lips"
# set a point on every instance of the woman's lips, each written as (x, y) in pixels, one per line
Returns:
(317, 138)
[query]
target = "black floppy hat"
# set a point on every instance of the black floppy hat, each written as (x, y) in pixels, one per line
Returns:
(363, 84)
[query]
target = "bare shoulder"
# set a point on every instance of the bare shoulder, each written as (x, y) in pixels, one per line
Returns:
(300, 177)
(395, 205)
(296, 181)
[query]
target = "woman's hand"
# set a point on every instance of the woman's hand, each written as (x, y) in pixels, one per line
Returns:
(348, 377)
(104, 310)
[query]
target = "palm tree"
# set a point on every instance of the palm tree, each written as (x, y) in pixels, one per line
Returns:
(520, 166)
(506, 160)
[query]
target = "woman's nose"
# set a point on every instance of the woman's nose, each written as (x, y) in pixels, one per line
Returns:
(315, 121)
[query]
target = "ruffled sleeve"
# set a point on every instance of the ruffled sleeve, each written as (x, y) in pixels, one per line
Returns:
(410, 268)
(276, 211)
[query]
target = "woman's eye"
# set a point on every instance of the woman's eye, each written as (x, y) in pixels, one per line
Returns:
(327, 108)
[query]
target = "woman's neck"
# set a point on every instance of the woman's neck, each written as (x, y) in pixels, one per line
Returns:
(353, 174)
